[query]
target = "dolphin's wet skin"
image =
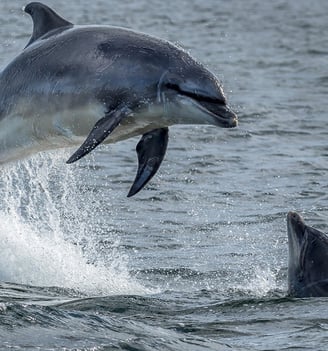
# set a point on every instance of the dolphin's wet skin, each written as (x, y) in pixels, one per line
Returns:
(102, 84)
(308, 259)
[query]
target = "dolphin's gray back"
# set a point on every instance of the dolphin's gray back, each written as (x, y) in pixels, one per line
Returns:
(105, 55)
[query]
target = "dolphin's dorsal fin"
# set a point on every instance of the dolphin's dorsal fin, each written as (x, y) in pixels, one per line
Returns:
(44, 20)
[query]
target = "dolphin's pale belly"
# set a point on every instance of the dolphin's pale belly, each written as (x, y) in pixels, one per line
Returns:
(25, 131)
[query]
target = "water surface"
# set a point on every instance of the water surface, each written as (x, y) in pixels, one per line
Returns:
(198, 259)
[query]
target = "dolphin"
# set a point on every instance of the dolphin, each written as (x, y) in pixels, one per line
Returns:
(84, 85)
(308, 259)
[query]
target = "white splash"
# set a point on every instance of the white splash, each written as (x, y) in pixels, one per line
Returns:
(44, 220)
(260, 282)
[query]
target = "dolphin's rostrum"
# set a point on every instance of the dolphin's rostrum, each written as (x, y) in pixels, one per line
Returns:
(102, 84)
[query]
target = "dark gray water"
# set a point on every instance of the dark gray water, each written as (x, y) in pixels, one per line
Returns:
(198, 259)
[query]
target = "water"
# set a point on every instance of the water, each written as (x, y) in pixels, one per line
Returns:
(198, 259)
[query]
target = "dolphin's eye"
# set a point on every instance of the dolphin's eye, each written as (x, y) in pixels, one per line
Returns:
(196, 94)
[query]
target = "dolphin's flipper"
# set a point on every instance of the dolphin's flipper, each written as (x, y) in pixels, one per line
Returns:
(151, 151)
(99, 133)
(44, 20)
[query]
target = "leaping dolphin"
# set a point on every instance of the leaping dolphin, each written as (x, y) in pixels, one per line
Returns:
(73, 83)
(308, 259)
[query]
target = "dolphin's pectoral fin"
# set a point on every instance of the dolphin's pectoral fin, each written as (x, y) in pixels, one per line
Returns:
(99, 133)
(151, 151)
(44, 20)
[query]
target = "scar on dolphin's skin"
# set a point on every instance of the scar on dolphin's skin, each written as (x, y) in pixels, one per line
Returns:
(86, 85)
(308, 259)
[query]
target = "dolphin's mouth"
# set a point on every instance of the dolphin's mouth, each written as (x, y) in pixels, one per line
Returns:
(213, 106)
(222, 114)
(217, 113)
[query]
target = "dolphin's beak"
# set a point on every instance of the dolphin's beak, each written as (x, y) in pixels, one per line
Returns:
(296, 231)
(220, 114)
(204, 95)
(224, 116)
(295, 227)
